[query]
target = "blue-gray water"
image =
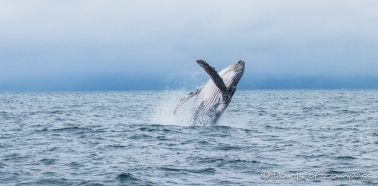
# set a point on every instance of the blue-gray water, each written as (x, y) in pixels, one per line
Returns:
(131, 138)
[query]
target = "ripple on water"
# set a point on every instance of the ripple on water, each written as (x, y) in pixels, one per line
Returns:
(130, 179)
(205, 171)
(48, 161)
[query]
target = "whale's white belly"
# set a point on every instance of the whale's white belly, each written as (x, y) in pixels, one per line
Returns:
(208, 106)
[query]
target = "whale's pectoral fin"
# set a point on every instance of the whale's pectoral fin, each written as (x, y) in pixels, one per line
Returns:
(218, 81)
(185, 98)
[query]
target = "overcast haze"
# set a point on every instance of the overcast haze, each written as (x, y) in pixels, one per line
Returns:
(97, 40)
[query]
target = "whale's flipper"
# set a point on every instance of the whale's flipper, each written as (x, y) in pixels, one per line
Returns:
(218, 81)
(185, 98)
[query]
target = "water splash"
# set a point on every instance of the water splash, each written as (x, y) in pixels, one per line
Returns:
(163, 112)
(184, 82)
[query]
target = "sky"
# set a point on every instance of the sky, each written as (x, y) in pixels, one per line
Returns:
(42, 42)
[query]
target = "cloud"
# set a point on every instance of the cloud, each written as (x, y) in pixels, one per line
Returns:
(158, 37)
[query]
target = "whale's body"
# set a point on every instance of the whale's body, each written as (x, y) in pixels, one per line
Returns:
(213, 98)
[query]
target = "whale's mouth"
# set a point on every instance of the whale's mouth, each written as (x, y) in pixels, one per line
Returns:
(239, 64)
(236, 66)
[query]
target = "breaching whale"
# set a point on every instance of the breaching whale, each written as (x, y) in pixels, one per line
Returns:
(213, 98)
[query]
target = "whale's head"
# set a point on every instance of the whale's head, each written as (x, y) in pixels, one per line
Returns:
(233, 73)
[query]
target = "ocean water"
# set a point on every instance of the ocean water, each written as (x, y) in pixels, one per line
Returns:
(291, 137)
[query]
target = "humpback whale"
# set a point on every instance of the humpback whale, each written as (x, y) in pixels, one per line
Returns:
(213, 98)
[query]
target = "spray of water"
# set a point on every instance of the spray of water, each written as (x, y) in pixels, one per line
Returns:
(184, 83)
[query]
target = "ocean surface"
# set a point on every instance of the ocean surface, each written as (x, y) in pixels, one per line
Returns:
(281, 137)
